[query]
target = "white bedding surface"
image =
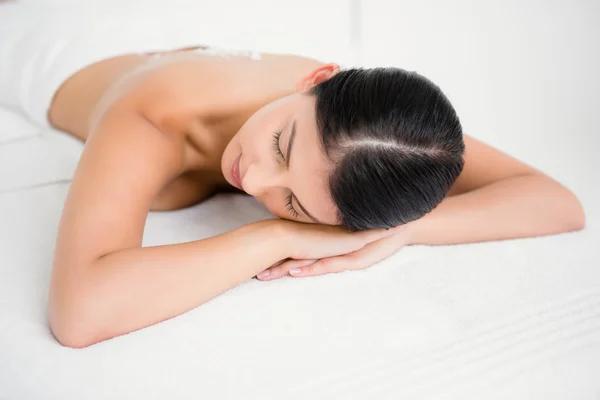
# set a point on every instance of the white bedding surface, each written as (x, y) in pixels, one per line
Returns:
(516, 319)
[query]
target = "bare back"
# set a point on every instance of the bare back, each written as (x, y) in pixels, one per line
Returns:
(205, 97)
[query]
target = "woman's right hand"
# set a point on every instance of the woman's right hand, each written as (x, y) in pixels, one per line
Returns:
(316, 241)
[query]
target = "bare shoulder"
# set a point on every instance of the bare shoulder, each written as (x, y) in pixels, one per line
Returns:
(176, 81)
(207, 85)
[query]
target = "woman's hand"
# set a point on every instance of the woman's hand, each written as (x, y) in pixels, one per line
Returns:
(322, 249)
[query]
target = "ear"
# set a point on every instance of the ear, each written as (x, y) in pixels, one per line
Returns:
(317, 76)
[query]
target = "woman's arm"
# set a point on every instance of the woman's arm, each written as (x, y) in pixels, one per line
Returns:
(130, 289)
(103, 283)
(495, 197)
(498, 197)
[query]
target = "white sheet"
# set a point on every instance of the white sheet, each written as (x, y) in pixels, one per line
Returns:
(516, 319)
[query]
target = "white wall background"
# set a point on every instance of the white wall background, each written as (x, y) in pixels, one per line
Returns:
(523, 75)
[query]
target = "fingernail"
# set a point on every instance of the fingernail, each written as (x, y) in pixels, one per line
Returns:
(295, 271)
(264, 274)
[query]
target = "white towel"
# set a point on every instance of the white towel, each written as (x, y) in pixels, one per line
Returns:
(40, 50)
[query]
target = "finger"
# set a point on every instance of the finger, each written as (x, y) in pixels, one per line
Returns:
(282, 269)
(325, 266)
(267, 272)
(362, 258)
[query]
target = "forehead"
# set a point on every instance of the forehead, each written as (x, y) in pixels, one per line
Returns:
(309, 166)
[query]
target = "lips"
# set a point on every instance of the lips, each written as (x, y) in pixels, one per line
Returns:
(235, 173)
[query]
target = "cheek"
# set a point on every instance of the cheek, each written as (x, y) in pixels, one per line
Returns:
(275, 207)
(256, 137)
(250, 131)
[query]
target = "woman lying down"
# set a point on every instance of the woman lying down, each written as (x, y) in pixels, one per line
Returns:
(355, 163)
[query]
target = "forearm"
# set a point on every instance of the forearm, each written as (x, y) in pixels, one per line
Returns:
(518, 207)
(132, 289)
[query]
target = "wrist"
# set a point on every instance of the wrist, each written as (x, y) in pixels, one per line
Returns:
(277, 233)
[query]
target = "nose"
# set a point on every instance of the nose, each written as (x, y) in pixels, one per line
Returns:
(258, 181)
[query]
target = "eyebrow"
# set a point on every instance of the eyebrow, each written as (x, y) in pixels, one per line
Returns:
(287, 162)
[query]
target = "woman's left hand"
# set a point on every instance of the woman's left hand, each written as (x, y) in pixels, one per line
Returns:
(371, 254)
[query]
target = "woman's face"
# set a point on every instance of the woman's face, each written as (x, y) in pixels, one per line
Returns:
(282, 164)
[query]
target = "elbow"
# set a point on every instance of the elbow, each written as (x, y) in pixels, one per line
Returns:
(574, 215)
(69, 330)
(563, 211)
(70, 323)
(69, 337)
(578, 221)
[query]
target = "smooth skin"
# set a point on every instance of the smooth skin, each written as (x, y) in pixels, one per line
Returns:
(165, 137)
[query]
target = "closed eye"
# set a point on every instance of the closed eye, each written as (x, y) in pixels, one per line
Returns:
(290, 208)
(276, 139)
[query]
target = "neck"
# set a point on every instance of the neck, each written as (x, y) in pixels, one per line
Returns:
(219, 126)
